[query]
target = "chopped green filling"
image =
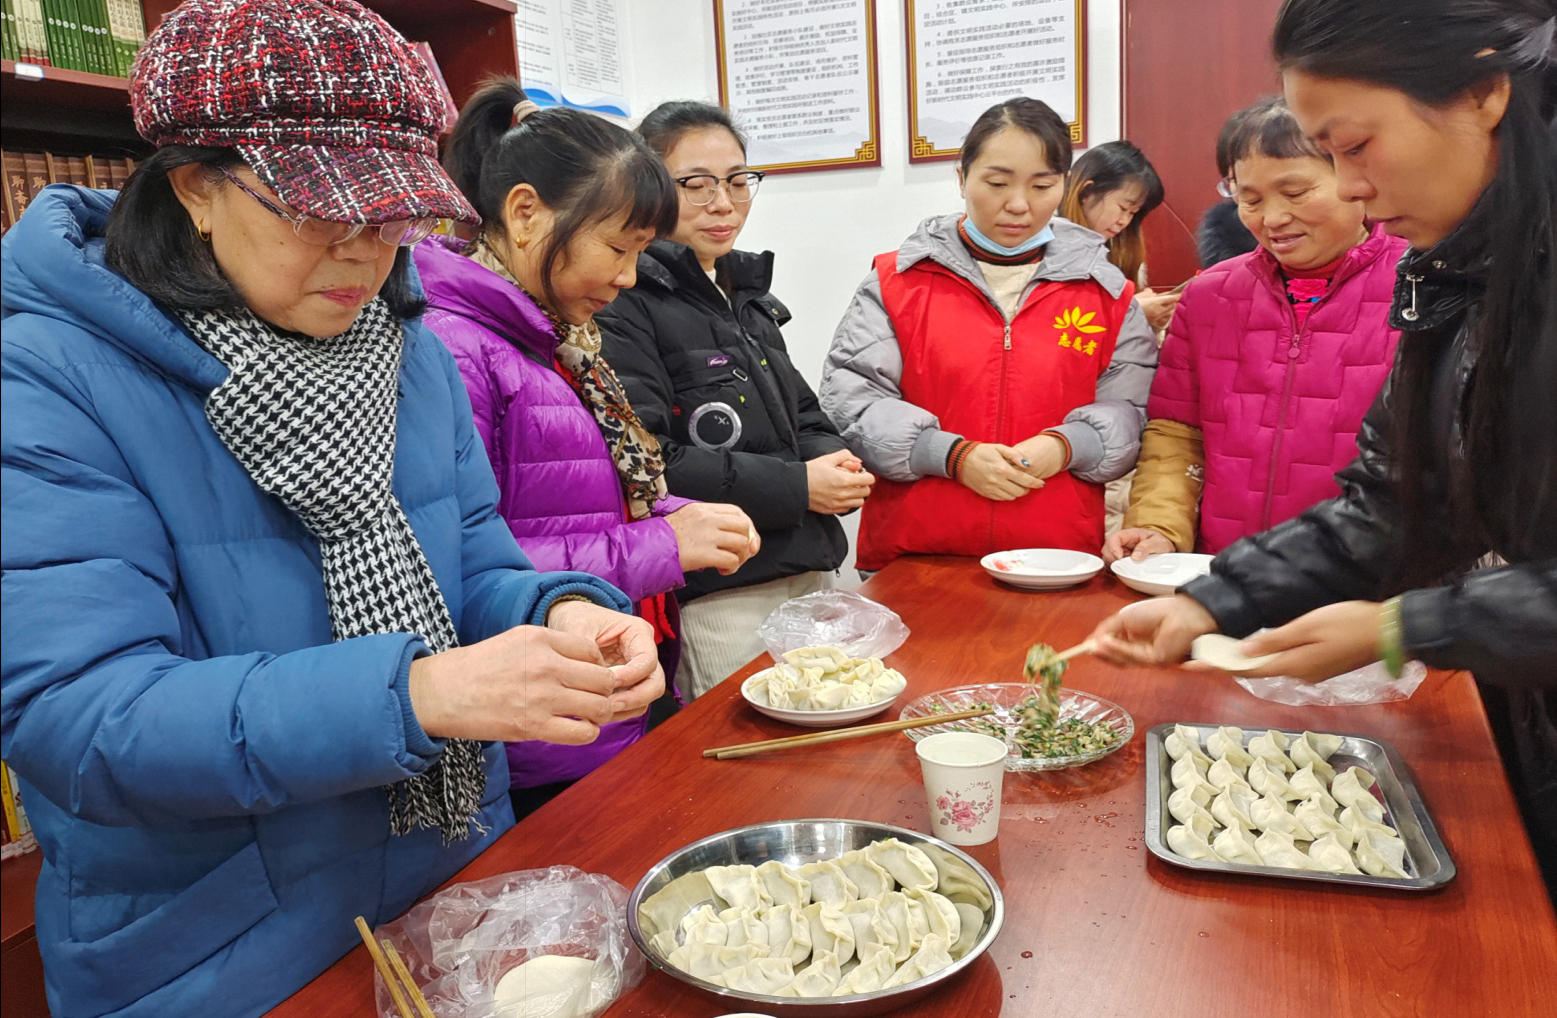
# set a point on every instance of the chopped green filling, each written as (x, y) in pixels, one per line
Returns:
(1048, 741)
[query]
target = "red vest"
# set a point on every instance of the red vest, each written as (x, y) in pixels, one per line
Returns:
(990, 382)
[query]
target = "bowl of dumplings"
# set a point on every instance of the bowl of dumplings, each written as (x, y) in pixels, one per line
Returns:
(816, 917)
(819, 687)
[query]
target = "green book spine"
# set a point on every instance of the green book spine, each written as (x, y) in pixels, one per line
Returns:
(89, 56)
(74, 37)
(98, 13)
(8, 47)
(53, 31)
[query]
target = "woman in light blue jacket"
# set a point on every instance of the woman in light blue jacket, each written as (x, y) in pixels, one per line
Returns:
(261, 620)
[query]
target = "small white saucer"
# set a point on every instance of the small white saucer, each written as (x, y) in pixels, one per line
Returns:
(1161, 574)
(1042, 568)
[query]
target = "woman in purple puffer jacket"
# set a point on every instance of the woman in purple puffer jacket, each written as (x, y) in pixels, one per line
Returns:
(568, 201)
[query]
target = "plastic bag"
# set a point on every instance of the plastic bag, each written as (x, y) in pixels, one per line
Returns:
(851, 622)
(460, 942)
(1371, 684)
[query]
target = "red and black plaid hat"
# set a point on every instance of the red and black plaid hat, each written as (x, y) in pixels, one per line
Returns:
(330, 106)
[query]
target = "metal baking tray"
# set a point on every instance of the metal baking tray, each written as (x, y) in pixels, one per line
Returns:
(1427, 861)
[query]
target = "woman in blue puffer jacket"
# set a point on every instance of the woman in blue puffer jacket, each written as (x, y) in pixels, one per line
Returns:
(262, 625)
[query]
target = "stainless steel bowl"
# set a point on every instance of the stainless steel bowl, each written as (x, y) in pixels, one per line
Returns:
(794, 843)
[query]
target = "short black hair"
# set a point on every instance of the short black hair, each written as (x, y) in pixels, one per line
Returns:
(152, 243)
(1030, 115)
(1267, 128)
(668, 121)
(584, 169)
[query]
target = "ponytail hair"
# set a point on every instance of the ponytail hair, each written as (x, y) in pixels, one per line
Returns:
(1100, 171)
(585, 169)
(1435, 51)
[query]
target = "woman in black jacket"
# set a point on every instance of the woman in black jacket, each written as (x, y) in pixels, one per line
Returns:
(697, 344)
(1443, 546)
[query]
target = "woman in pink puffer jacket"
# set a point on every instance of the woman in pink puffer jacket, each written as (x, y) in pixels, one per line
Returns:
(1272, 358)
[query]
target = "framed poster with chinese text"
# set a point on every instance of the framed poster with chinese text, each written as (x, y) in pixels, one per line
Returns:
(800, 78)
(965, 57)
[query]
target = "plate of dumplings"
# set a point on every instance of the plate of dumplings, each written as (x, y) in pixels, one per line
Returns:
(1302, 805)
(816, 917)
(819, 687)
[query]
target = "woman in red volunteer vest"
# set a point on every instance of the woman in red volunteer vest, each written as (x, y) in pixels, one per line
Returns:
(993, 371)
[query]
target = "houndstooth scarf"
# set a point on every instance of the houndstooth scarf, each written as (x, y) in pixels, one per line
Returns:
(313, 423)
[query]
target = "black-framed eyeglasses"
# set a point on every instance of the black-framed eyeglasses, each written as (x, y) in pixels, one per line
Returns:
(701, 188)
(327, 233)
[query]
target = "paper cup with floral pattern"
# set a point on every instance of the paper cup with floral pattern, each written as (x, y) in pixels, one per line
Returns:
(963, 772)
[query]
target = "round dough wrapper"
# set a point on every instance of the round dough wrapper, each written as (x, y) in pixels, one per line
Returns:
(1220, 651)
(551, 986)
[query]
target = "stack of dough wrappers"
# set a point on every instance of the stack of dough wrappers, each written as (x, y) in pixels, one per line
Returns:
(825, 678)
(1308, 816)
(875, 918)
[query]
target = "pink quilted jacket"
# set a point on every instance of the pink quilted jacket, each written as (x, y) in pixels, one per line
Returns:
(1279, 408)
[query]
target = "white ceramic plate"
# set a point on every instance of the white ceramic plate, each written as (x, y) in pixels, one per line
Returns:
(1042, 568)
(1161, 574)
(809, 718)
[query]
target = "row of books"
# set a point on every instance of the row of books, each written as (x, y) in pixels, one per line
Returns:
(100, 36)
(16, 834)
(27, 173)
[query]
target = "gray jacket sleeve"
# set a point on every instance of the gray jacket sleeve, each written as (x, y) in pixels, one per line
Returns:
(862, 393)
(1105, 436)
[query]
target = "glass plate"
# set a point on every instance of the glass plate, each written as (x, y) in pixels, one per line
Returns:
(1005, 696)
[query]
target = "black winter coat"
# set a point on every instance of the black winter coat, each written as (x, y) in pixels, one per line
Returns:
(712, 379)
(1498, 623)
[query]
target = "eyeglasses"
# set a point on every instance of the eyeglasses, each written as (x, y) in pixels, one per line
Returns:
(703, 187)
(327, 233)
(1224, 187)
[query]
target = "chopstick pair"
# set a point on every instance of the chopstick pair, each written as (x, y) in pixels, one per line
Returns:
(839, 734)
(402, 988)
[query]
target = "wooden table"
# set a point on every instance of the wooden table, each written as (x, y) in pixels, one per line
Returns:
(1095, 925)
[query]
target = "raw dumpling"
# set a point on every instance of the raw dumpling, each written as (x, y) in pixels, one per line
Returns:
(870, 924)
(664, 942)
(1272, 746)
(908, 922)
(1192, 839)
(830, 931)
(738, 886)
(1224, 775)
(1329, 854)
(1191, 773)
(932, 956)
(1313, 750)
(789, 933)
(828, 882)
(1359, 823)
(760, 975)
(1277, 849)
(869, 879)
(1270, 814)
(744, 926)
(1308, 784)
(703, 924)
(887, 685)
(1268, 779)
(940, 914)
(828, 659)
(830, 697)
(908, 864)
(1317, 818)
(1235, 845)
(957, 880)
(875, 967)
(1350, 788)
(818, 979)
(1226, 743)
(1231, 809)
(972, 918)
(1188, 802)
(706, 962)
(1184, 741)
(1381, 856)
(784, 888)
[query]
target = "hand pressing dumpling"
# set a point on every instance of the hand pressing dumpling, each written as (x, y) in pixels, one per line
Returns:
(933, 955)
(1234, 845)
(789, 933)
(1307, 783)
(1268, 779)
(828, 882)
(1232, 809)
(1184, 741)
(1350, 788)
(1278, 849)
(1270, 814)
(760, 975)
(875, 967)
(1318, 818)
(1381, 856)
(783, 886)
(1189, 802)
(1272, 747)
(908, 864)
(870, 880)
(1192, 840)
(1313, 750)
(1331, 855)
(738, 886)
(956, 879)
(818, 979)
(1226, 743)
(830, 931)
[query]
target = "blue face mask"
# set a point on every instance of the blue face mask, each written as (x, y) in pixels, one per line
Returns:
(1027, 246)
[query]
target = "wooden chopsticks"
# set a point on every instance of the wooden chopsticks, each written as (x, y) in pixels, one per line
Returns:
(1085, 647)
(839, 734)
(396, 976)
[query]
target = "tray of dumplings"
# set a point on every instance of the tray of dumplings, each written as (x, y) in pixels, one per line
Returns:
(816, 917)
(1301, 805)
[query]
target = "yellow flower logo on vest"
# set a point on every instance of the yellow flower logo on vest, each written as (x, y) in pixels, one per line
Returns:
(1075, 319)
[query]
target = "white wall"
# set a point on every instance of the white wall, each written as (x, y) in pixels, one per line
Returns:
(825, 227)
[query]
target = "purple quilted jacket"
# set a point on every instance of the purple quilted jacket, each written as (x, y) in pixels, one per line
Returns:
(558, 488)
(1279, 406)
